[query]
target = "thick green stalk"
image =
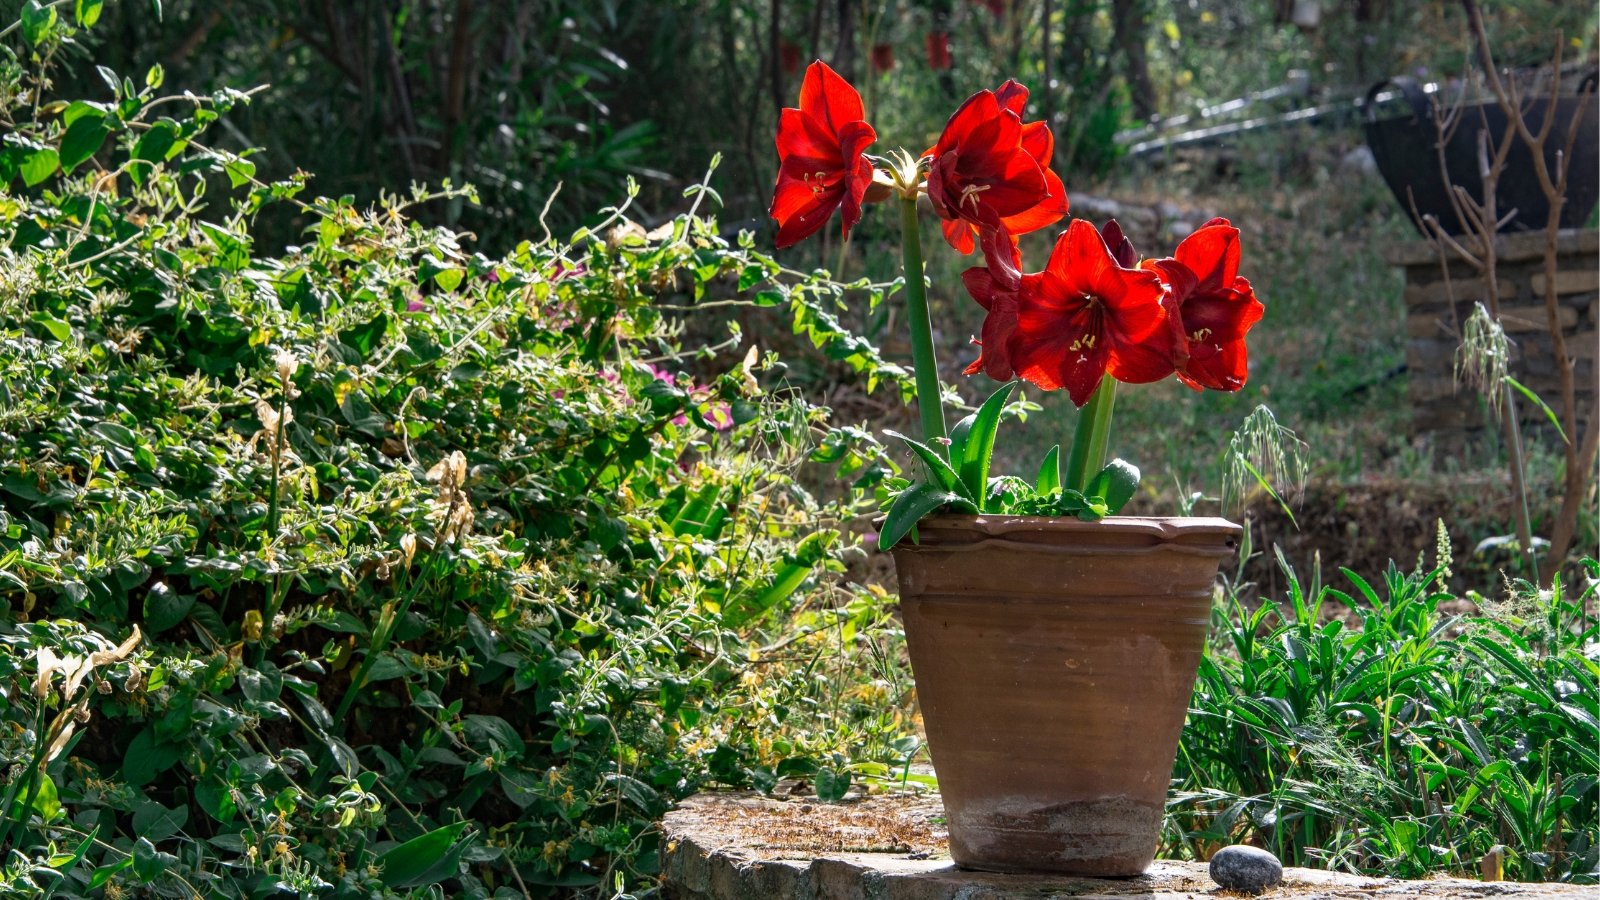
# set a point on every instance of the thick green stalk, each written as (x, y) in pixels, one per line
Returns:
(929, 402)
(1092, 435)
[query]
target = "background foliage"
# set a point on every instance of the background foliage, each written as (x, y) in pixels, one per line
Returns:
(517, 97)
(453, 559)
(379, 562)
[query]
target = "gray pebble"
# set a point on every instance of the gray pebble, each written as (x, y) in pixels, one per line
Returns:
(1250, 870)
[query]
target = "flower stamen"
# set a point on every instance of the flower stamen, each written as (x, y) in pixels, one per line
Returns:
(969, 194)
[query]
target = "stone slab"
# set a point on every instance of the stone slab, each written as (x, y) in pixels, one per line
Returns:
(742, 846)
(1573, 281)
(1510, 247)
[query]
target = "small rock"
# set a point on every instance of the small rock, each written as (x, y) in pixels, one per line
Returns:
(1359, 161)
(1250, 870)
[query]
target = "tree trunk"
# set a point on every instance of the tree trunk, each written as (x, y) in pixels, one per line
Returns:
(1130, 20)
(844, 54)
(1049, 84)
(941, 23)
(775, 53)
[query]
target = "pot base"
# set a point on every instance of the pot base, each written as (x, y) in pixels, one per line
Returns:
(1107, 838)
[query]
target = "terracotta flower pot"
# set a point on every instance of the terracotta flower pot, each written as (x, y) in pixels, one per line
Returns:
(1054, 660)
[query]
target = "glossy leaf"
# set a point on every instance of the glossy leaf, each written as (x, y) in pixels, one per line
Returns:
(912, 505)
(978, 448)
(37, 19)
(39, 165)
(938, 469)
(1114, 485)
(422, 859)
(82, 140)
(87, 12)
(1049, 478)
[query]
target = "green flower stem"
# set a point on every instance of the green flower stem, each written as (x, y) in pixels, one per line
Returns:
(930, 403)
(388, 620)
(1092, 435)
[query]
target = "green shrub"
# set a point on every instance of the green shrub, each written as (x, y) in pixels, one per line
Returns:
(379, 564)
(1399, 739)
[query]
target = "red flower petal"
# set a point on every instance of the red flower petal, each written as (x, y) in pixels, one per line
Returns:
(1045, 213)
(1038, 141)
(1058, 342)
(998, 326)
(1012, 95)
(827, 96)
(1212, 254)
(1121, 248)
(1080, 258)
(1000, 251)
(854, 139)
(958, 234)
(978, 110)
(802, 208)
(1225, 370)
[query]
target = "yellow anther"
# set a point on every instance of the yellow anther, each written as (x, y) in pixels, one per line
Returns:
(969, 194)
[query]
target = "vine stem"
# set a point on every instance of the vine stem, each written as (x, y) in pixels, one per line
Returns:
(1092, 435)
(930, 405)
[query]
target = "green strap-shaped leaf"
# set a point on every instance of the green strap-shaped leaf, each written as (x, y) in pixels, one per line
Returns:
(938, 469)
(786, 580)
(1533, 398)
(1049, 480)
(913, 503)
(414, 863)
(1114, 485)
(958, 437)
(979, 445)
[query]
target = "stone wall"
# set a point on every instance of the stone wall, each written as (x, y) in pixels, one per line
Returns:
(1455, 414)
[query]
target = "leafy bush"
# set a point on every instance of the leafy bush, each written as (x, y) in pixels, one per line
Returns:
(1400, 739)
(380, 564)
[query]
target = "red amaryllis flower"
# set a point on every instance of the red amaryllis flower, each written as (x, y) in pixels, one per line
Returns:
(1210, 308)
(882, 57)
(820, 146)
(990, 172)
(996, 288)
(938, 46)
(1084, 316)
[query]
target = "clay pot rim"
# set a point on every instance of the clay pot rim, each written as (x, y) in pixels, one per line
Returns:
(1168, 527)
(1111, 536)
